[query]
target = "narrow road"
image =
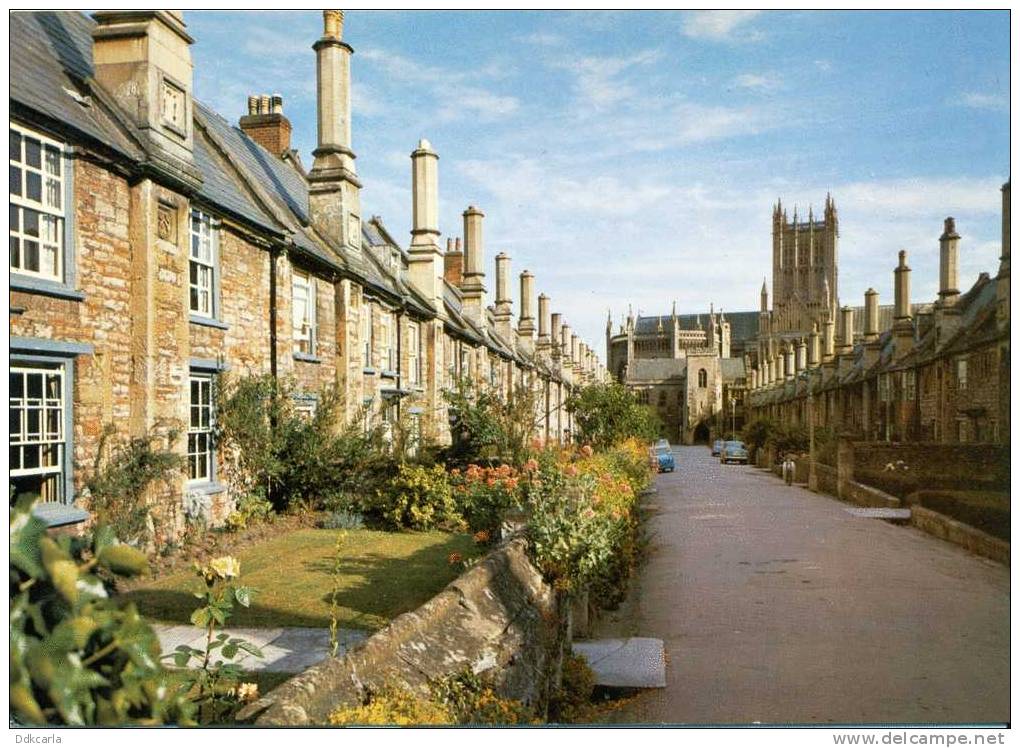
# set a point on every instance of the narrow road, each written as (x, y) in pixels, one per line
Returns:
(777, 606)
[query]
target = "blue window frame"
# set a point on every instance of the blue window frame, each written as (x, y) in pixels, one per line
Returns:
(41, 201)
(204, 303)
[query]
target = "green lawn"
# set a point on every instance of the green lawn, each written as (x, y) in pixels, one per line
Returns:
(383, 575)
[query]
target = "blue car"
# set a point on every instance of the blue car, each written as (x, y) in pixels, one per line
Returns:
(664, 458)
(733, 452)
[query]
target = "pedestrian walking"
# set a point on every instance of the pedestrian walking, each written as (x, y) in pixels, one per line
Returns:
(789, 466)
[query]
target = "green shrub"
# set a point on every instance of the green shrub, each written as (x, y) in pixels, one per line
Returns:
(342, 519)
(294, 461)
(472, 701)
(606, 414)
(121, 476)
(484, 495)
(417, 498)
(76, 656)
(487, 428)
(571, 702)
(251, 509)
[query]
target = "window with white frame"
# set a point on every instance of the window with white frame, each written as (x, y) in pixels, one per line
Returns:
(391, 341)
(200, 429)
(465, 361)
(202, 266)
(304, 316)
(366, 334)
(961, 373)
(414, 352)
(36, 205)
(37, 439)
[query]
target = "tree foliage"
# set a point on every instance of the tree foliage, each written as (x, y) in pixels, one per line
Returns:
(607, 414)
(76, 656)
(487, 427)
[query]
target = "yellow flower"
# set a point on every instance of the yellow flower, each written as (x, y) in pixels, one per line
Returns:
(247, 692)
(226, 567)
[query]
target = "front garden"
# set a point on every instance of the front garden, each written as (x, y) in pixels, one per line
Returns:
(335, 528)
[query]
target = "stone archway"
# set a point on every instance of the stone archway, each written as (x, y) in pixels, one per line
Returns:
(702, 432)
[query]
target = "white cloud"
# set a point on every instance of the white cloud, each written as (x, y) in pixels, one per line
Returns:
(758, 81)
(977, 100)
(543, 39)
(598, 80)
(720, 25)
(824, 65)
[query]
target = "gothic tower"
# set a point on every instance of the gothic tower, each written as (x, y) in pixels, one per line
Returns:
(804, 263)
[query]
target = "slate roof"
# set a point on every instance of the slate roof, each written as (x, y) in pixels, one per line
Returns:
(51, 54)
(743, 325)
(658, 369)
(732, 369)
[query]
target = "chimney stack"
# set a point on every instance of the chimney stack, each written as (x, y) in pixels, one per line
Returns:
(543, 322)
(801, 358)
(871, 331)
(557, 324)
(473, 285)
(143, 59)
(565, 336)
(426, 264)
(790, 364)
(949, 264)
(333, 188)
(453, 263)
(266, 125)
(526, 321)
(846, 330)
(814, 348)
(903, 326)
(503, 311)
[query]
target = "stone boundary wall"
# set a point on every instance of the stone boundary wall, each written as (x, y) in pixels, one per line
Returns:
(825, 479)
(972, 539)
(934, 465)
(499, 616)
(862, 495)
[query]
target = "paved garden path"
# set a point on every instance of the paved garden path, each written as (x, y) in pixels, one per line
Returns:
(284, 650)
(777, 605)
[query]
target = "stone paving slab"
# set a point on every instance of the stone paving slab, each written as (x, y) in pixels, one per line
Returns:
(879, 512)
(284, 650)
(635, 662)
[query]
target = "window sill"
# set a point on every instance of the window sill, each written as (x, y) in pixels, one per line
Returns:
(206, 488)
(368, 370)
(44, 287)
(388, 374)
(56, 514)
(196, 319)
(307, 358)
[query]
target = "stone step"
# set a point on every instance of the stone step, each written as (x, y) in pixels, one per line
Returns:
(636, 662)
(875, 512)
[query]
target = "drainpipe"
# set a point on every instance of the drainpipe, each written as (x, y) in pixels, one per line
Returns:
(274, 253)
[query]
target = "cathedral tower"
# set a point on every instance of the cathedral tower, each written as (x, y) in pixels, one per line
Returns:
(804, 264)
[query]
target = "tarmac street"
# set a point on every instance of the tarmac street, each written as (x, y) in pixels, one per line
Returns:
(778, 606)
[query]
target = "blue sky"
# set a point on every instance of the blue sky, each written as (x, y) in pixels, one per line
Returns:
(634, 157)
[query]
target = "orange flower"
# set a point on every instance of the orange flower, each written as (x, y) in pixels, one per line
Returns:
(531, 465)
(454, 558)
(482, 536)
(570, 470)
(587, 451)
(511, 484)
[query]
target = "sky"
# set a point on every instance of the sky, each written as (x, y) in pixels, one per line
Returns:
(632, 159)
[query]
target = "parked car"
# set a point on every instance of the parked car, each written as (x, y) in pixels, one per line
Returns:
(662, 443)
(664, 460)
(717, 446)
(733, 452)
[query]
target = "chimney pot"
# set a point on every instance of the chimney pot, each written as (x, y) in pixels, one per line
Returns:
(333, 24)
(253, 105)
(277, 104)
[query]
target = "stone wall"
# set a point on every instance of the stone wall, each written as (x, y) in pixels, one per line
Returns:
(972, 539)
(932, 466)
(499, 618)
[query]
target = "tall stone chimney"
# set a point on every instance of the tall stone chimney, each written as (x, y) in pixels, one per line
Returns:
(142, 58)
(473, 285)
(801, 358)
(334, 192)
(567, 355)
(266, 124)
(949, 264)
(426, 265)
(543, 323)
(575, 353)
(903, 325)
(871, 331)
(846, 328)
(814, 347)
(790, 364)
(453, 262)
(526, 321)
(556, 345)
(503, 312)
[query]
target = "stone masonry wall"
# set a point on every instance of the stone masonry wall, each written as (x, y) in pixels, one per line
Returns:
(499, 618)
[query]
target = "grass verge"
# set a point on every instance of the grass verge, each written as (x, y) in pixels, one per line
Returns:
(383, 574)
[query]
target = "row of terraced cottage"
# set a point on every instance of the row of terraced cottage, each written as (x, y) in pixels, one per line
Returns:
(153, 245)
(939, 375)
